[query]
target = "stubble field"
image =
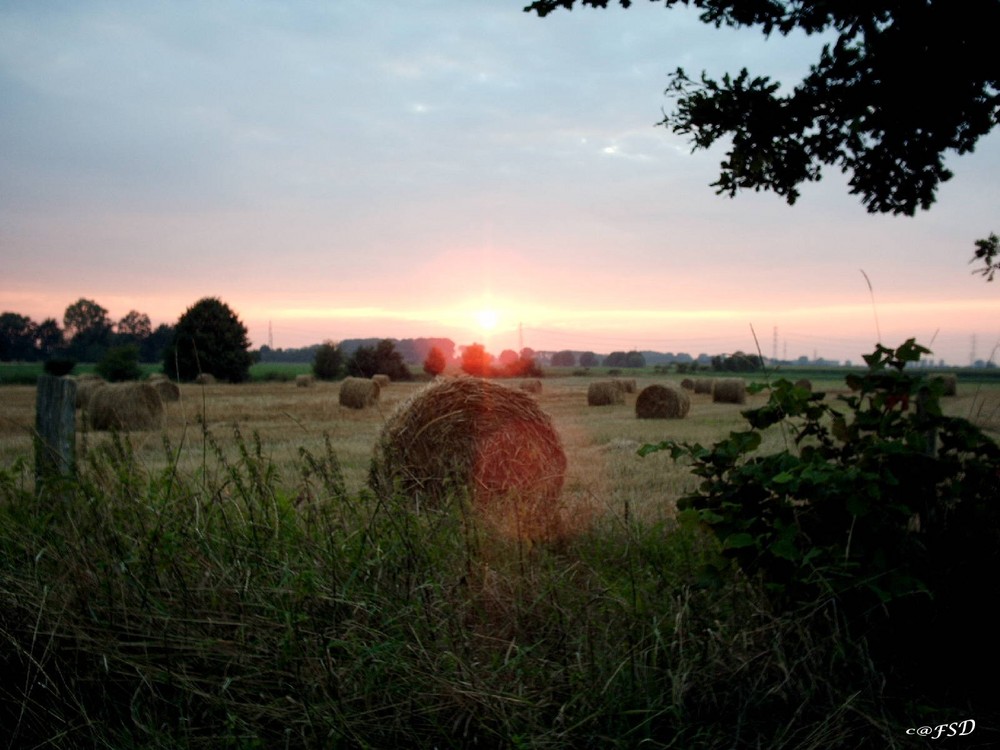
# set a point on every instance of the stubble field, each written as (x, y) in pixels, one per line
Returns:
(604, 472)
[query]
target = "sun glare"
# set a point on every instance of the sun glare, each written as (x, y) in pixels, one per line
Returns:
(487, 319)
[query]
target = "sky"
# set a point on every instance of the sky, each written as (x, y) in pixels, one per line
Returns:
(347, 169)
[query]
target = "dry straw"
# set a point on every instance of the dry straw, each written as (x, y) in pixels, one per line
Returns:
(687, 384)
(125, 406)
(605, 393)
(627, 385)
(205, 378)
(531, 386)
(303, 381)
(660, 402)
(474, 436)
(169, 391)
(703, 385)
(358, 393)
(86, 386)
(382, 380)
(729, 391)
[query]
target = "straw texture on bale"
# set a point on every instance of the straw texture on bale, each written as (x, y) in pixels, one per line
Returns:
(604, 393)
(205, 378)
(627, 385)
(531, 386)
(703, 385)
(303, 381)
(358, 393)
(154, 376)
(475, 436)
(729, 391)
(687, 384)
(949, 384)
(804, 383)
(169, 391)
(85, 389)
(382, 380)
(125, 406)
(660, 402)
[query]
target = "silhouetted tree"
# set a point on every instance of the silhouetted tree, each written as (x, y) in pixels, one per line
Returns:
(476, 360)
(588, 359)
(120, 363)
(328, 363)
(17, 337)
(435, 363)
(565, 358)
(901, 84)
(381, 359)
(209, 338)
(88, 328)
(48, 338)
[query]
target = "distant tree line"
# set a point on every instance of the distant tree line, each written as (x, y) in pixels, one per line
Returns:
(87, 334)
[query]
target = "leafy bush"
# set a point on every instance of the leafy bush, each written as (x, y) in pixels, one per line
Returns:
(121, 363)
(383, 359)
(328, 362)
(889, 507)
(435, 363)
(209, 338)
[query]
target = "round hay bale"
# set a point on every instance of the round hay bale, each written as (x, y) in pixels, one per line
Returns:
(949, 384)
(805, 383)
(358, 393)
(703, 385)
(304, 381)
(627, 385)
(473, 435)
(382, 380)
(687, 384)
(125, 406)
(605, 393)
(85, 389)
(168, 390)
(729, 391)
(531, 386)
(660, 402)
(205, 378)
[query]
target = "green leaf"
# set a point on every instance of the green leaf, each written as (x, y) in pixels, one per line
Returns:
(738, 541)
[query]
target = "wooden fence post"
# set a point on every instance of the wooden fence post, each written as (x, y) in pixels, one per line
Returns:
(55, 427)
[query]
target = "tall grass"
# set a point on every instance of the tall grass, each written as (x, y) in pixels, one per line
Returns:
(152, 608)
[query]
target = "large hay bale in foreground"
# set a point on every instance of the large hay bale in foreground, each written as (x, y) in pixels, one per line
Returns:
(475, 436)
(605, 393)
(382, 380)
(703, 385)
(660, 402)
(85, 389)
(358, 393)
(729, 391)
(168, 390)
(125, 406)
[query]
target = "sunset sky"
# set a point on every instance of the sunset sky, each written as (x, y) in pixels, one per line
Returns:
(341, 169)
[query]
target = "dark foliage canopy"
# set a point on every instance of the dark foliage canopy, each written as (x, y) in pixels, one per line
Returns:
(209, 338)
(382, 359)
(902, 85)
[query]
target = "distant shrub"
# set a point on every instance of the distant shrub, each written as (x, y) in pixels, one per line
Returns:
(121, 363)
(328, 362)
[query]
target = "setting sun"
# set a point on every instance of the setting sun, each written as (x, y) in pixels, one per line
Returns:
(487, 319)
